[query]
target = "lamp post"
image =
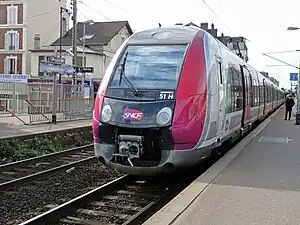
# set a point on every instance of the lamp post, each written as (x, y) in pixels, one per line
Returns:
(62, 10)
(89, 22)
(298, 86)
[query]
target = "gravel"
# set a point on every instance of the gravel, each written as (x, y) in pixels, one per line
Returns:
(23, 203)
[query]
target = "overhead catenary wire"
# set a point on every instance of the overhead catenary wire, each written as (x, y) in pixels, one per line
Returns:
(43, 14)
(95, 10)
(259, 50)
(83, 15)
(52, 33)
(281, 61)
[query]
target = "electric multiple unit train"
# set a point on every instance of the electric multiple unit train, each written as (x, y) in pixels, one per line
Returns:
(171, 96)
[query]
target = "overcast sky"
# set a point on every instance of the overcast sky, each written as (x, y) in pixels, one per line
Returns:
(263, 22)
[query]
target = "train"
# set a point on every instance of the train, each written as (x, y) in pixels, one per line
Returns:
(171, 97)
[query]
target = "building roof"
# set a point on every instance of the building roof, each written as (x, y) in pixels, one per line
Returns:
(101, 32)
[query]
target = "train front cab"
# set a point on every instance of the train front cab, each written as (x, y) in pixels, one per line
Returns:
(130, 121)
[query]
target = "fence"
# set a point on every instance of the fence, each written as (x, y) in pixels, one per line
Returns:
(33, 103)
(12, 98)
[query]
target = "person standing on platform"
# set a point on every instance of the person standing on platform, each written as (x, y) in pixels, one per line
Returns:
(289, 103)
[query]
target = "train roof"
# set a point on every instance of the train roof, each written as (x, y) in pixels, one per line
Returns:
(178, 34)
(165, 35)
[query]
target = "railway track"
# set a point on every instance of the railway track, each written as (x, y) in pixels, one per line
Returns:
(16, 173)
(126, 200)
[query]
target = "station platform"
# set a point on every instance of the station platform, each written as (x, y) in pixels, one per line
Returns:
(256, 183)
(10, 126)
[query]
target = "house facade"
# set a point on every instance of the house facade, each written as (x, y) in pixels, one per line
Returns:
(102, 41)
(92, 59)
(22, 21)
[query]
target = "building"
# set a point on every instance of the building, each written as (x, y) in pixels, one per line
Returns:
(92, 59)
(22, 21)
(102, 41)
(235, 44)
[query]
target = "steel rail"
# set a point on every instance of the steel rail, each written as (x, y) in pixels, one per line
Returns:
(105, 197)
(39, 174)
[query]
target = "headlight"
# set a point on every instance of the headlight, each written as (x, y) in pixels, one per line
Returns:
(106, 113)
(164, 116)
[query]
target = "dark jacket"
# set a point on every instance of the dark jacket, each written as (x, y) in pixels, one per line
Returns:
(289, 103)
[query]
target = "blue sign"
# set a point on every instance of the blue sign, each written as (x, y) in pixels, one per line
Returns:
(14, 78)
(60, 69)
(293, 76)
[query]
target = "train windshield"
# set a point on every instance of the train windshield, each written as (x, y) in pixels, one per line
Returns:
(149, 67)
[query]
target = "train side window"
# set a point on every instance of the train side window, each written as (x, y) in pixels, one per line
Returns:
(262, 93)
(251, 90)
(220, 71)
(232, 89)
(240, 89)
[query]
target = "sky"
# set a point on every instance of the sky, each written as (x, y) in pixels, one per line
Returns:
(263, 22)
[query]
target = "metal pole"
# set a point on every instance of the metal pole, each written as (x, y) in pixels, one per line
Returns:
(75, 37)
(60, 39)
(83, 55)
(75, 32)
(82, 76)
(54, 99)
(298, 99)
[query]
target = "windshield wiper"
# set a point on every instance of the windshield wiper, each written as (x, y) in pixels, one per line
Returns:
(122, 75)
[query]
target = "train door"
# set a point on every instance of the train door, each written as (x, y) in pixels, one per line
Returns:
(265, 95)
(246, 96)
(244, 82)
(258, 90)
(251, 91)
(272, 96)
(221, 96)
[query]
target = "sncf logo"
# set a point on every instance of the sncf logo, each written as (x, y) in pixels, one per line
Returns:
(133, 114)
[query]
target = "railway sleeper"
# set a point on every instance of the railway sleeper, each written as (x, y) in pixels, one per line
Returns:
(75, 220)
(116, 206)
(91, 212)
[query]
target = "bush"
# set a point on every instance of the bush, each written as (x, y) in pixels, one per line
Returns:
(16, 149)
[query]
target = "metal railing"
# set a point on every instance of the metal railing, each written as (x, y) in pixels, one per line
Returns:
(12, 98)
(32, 103)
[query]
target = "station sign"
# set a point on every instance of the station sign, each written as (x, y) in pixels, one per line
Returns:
(84, 69)
(59, 69)
(14, 78)
(293, 76)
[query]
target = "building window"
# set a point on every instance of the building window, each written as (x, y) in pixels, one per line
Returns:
(10, 65)
(12, 40)
(12, 14)
(41, 58)
(37, 41)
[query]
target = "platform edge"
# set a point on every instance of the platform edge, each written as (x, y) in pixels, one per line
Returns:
(170, 212)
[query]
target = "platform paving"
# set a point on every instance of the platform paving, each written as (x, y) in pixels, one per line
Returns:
(257, 184)
(10, 126)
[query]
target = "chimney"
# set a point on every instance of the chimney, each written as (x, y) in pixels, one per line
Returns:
(37, 41)
(213, 31)
(204, 26)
